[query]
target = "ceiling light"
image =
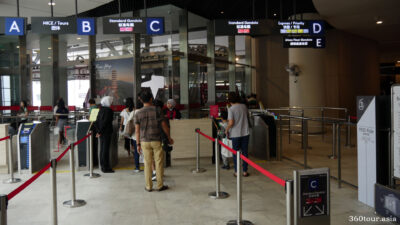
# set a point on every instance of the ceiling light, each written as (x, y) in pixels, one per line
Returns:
(379, 22)
(237, 59)
(222, 12)
(398, 61)
(49, 48)
(51, 3)
(274, 14)
(17, 46)
(78, 38)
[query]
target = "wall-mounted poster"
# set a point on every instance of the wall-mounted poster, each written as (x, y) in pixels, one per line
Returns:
(114, 78)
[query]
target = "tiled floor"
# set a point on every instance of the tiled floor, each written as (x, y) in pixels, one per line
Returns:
(120, 198)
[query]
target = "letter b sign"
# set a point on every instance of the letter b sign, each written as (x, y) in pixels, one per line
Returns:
(86, 26)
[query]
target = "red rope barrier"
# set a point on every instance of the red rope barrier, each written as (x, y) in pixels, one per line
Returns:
(28, 182)
(4, 138)
(38, 174)
(205, 135)
(266, 173)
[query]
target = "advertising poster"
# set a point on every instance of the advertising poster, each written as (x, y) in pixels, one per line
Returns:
(115, 78)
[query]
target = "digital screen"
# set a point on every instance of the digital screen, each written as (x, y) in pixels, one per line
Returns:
(243, 27)
(123, 25)
(303, 42)
(313, 195)
(54, 25)
(302, 27)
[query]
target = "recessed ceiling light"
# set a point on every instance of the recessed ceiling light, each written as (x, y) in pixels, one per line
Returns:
(237, 59)
(49, 48)
(17, 46)
(379, 22)
(51, 3)
(274, 14)
(398, 61)
(78, 38)
(222, 12)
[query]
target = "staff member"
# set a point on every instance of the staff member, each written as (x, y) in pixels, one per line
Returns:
(104, 132)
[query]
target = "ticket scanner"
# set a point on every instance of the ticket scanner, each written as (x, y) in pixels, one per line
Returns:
(33, 147)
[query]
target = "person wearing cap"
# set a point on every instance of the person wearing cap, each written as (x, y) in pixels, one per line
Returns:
(171, 112)
(104, 131)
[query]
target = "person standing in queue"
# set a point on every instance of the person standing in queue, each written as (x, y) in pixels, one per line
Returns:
(61, 121)
(125, 115)
(104, 131)
(238, 128)
(148, 137)
(171, 112)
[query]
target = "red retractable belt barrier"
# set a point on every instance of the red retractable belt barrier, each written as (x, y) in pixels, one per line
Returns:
(4, 138)
(44, 169)
(266, 173)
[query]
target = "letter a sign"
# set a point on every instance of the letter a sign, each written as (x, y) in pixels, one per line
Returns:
(15, 26)
(86, 26)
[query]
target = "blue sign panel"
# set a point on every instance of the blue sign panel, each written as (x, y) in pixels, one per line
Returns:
(317, 27)
(155, 25)
(14, 26)
(86, 26)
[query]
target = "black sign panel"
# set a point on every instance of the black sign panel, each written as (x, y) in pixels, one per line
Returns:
(123, 25)
(387, 203)
(302, 27)
(2, 25)
(313, 195)
(303, 42)
(54, 25)
(242, 27)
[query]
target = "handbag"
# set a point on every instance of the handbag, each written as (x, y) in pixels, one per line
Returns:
(225, 152)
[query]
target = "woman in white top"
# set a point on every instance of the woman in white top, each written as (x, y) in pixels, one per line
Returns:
(132, 137)
(125, 114)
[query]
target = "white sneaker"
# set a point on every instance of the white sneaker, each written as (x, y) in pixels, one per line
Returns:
(136, 171)
(154, 178)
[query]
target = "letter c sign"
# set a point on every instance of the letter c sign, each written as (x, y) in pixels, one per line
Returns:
(155, 26)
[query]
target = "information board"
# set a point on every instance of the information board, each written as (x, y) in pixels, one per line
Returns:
(312, 196)
(304, 42)
(242, 27)
(123, 25)
(309, 27)
(54, 25)
(396, 130)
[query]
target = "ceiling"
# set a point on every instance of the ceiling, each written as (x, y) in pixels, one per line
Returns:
(29, 8)
(359, 17)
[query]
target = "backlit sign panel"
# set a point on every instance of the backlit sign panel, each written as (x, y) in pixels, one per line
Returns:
(54, 25)
(242, 27)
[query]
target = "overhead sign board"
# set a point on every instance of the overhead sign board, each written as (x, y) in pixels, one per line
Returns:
(242, 27)
(155, 26)
(13, 26)
(312, 196)
(303, 42)
(308, 27)
(54, 25)
(86, 26)
(123, 25)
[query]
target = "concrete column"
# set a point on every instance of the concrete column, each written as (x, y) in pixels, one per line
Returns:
(137, 79)
(183, 62)
(211, 65)
(92, 65)
(232, 62)
(309, 89)
(62, 71)
(49, 69)
(25, 87)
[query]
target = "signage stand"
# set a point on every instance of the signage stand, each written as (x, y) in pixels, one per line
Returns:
(312, 197)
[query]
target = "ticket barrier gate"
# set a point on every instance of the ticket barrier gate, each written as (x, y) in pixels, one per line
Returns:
(33, 147)
(263, 139)
(310, 201)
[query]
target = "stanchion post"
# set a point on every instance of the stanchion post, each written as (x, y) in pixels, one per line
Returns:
(53, 183)
(333, 155)
(348, 134)
(302, 128)
(3, 209)
(289, 202)
(280, 139)
(198, 169)
(347, 130)
(305, 141)
(73, 203)
(290, 126)
(11, 180)
(339, 153)
(323, 124)
(90, 148)
(218, 194)
(239, 220)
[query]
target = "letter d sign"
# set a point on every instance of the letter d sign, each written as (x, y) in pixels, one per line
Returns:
(317, 27)
(86, 26)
